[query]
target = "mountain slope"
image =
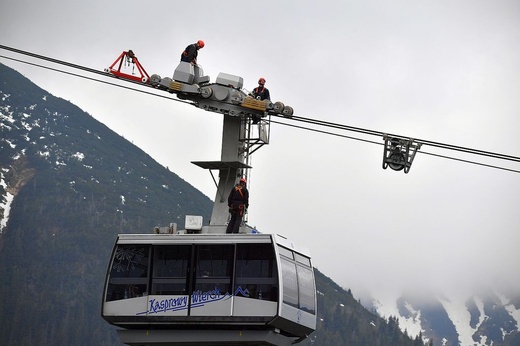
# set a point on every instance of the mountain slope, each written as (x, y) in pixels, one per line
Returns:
(68, 186)
(482, 319)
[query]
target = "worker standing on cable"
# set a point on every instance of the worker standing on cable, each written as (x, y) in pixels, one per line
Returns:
(238, 202)
(191, 52)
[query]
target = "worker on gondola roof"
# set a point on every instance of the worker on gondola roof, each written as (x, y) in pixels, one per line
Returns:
(238, 202)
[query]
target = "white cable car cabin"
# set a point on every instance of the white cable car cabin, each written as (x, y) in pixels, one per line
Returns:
(209, 289)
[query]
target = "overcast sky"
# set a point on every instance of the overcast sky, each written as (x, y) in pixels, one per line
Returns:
(444, 71)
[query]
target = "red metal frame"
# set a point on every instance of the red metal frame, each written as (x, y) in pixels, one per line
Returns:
(130, 56)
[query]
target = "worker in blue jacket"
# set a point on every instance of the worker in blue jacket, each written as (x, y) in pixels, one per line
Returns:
(191, 52)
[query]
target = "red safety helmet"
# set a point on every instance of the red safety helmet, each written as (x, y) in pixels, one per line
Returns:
(243, 180)
(261, 81)
(200, 43)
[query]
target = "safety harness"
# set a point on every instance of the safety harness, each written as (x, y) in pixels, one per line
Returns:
(240, 207)
(257, 90)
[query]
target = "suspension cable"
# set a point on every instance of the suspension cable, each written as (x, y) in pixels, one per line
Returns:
(379, 143)
(87, 69)
(418, 141)
(311, 121)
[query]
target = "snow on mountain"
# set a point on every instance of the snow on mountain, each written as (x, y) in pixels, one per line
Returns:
(461, 318)
(22, 127)
(482, 319)
(510, 308)
(6, 198)
(411, 322)
(5, 202)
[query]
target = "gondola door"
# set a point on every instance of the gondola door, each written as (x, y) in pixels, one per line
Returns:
(211, 280)
(171, 267)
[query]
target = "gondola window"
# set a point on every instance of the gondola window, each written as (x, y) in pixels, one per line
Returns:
(129, 272)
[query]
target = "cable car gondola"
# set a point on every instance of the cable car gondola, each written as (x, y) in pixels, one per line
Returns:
(209, 289)
(201, 286)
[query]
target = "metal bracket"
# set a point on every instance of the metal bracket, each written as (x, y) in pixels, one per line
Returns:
(399, 153)
(130, 58)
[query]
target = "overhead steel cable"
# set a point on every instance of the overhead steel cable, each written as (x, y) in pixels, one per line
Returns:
(472, 162)
(56, 61)
(419, 141)
(325, 132)
(379, 143)
(293, 118)
(87, 69)
(337, 125)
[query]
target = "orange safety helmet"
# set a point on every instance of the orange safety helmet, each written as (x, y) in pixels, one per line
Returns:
(200, 43)
(243, 180)
(261, 81)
